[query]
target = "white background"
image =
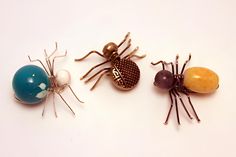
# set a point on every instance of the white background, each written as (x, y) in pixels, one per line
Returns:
(113, 123)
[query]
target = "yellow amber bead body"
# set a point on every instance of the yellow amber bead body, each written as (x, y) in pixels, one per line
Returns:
(200, 80)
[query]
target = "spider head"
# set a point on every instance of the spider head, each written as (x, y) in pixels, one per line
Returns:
(109, 50)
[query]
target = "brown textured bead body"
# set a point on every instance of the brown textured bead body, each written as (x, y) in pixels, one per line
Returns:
(125, 74)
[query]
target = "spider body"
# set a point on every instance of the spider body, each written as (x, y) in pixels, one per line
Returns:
(33, 84)
(124, 72)
(192, 80)
(200, 80)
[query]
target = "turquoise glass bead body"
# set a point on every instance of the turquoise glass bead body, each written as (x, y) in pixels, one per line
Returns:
(30, 84)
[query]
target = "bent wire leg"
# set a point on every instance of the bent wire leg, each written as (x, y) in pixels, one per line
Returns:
(93, 69)
(177, 64)
(89, 79)
(137, 56)
(181, 100)
(44, 105)
(126, 48)
(171, 106)
(37, 60)
(189, 58)
(54, 58)
(189, 100)
(177, 110)
(74, 94)
(126, 37)
(162, 63)
(132, 54)
(66, 103)
(95, 84)
(96, 52)
(54, 105)
(48, 57)
(56, 46)
(172, 66)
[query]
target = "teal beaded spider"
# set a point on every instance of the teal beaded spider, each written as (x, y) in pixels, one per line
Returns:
(32, 84)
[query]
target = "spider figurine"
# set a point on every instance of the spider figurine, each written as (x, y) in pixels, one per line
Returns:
(124, 72)
(192, 80)
(32, 84)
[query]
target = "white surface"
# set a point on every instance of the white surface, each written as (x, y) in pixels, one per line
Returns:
(113, 123)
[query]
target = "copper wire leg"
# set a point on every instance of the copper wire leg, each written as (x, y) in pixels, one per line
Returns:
(132, 52)
(44, 106)
(37, 60)
(126, 48)
(54, 105)
(133, 55)
(56, 46)
(47, 58)
(89, 79)
(93, 69)
(99, 79)
(126, 37)
(66, 103)
(74, 94)
(54, 58)
(137, 56)
(80, 59)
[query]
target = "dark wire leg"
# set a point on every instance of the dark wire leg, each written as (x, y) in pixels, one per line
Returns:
(172, 66)
(17, 99)
(171, 106)
(189, 58)
(181, 100)
(66, 103)
(93, 69)
(89, 79)
(99, 79)
(176, 106)
(37, 60)
(162, 63)
(126, 48)
(177, 64)
(80, 59)
(74, 94)
(126, 37)
(189, 100)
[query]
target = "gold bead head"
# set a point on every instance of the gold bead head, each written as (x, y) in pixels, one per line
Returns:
(109, 49)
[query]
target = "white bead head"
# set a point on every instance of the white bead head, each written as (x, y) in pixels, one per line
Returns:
(63, 78)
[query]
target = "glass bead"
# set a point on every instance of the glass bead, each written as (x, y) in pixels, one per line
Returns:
(31, 84)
